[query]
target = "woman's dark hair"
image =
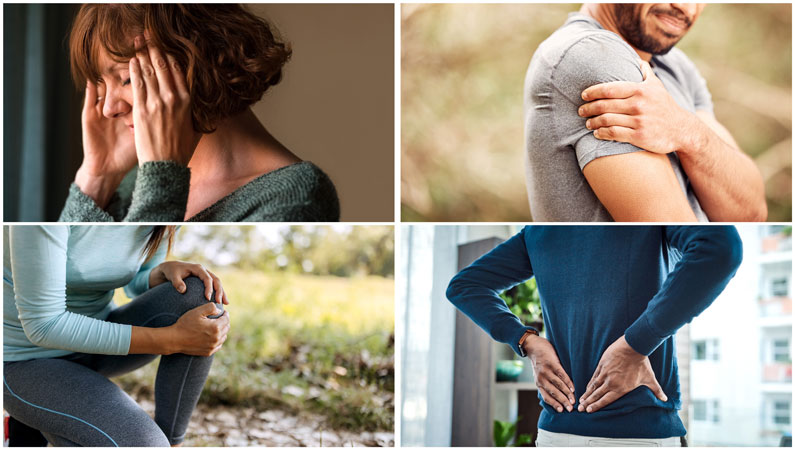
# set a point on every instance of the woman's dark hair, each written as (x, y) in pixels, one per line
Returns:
(230, 56)
(156, 236)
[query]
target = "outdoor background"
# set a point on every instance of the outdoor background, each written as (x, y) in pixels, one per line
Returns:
(309, 360)
(463, 68)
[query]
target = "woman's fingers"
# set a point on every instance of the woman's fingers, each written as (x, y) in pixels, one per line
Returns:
(179, 285)
(147, 71)
(220, 295)
(178, 75)
(162, 72)
(138, 87)
(204, 275)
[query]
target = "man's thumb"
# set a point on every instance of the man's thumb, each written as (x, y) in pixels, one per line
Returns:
(645, 69)
(658, 391)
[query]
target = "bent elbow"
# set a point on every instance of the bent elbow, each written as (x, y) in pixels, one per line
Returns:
(760, 214)
(453, 290)
(36, 336)
(730, 249)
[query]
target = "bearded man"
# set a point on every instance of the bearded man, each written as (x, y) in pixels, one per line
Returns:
(619, 125)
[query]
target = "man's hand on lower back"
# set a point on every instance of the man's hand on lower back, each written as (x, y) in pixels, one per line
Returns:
(552, 381)
(642, 114)
(620, 370)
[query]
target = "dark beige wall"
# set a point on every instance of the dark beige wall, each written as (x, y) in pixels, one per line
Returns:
(335, 104)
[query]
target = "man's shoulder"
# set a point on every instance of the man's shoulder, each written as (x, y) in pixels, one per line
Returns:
(579, 44)
(579, 55)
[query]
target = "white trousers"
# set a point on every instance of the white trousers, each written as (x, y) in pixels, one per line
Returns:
(550, 439)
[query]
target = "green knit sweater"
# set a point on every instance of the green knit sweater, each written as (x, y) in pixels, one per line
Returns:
(158, 192)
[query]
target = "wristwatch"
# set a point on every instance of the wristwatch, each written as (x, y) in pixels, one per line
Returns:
(527, 333)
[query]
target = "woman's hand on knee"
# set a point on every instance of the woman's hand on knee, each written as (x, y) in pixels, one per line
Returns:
(176, 272)
(196, 333)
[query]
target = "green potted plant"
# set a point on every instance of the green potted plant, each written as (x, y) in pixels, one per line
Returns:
(524, 301)
(505, 435)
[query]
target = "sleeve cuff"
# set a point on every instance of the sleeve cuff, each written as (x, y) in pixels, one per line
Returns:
(80, 207)
(126, 339)
(514, 342)
(642, 337)
(161, 193)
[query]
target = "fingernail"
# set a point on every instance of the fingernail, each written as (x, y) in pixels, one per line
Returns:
(588, 124)
(560, 409)
(182, 289)
(596, 133)
(580, 111)
(568, 408)
(665, 398)
(579, 408)
(571, 389)
(588, 409)
(584, 96)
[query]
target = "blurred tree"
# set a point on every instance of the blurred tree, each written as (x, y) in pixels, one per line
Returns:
(320, 250)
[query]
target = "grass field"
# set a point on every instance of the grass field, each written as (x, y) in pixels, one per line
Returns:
(304, 343)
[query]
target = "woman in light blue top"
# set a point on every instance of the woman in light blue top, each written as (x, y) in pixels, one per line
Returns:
(63, 337)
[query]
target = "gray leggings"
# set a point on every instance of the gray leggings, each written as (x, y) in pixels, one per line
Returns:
(72, 402)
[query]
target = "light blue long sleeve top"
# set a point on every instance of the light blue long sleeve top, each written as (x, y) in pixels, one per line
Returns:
(58, 284)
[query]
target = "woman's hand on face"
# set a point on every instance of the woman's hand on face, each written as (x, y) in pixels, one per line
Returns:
(196, 333)
(176, 271)
(108, 148)
(161, 107)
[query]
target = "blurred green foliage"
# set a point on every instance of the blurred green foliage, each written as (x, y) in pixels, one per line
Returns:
(341, 250)
(463, 68)
(299, 342)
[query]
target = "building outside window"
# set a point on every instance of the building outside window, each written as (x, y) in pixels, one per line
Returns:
(706, 411)
(781, 350)
(706, 350)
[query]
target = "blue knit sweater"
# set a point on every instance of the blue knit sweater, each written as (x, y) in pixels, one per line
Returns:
(596, 284)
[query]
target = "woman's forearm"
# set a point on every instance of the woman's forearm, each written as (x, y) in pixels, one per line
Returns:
(153, 341)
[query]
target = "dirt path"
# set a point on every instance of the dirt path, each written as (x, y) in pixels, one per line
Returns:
(245, 427)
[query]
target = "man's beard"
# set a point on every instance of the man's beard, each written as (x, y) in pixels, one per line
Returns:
(630, 25)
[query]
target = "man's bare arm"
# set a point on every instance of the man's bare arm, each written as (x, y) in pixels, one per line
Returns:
(638, 187)
(725, 180)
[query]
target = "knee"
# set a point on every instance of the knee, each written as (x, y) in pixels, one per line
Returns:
(194, 295)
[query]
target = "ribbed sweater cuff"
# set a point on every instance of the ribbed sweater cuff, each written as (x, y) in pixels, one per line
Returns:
(80, 207)
(161, 193)
(643, 337)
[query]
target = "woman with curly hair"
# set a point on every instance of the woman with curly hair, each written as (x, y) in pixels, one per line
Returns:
(168, 133)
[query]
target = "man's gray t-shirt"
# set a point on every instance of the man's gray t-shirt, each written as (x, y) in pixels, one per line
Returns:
(578, 55)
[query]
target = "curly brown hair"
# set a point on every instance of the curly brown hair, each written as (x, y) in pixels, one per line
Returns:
(230, 56)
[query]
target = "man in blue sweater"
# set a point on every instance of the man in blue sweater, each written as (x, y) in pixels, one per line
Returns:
(612, 299)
